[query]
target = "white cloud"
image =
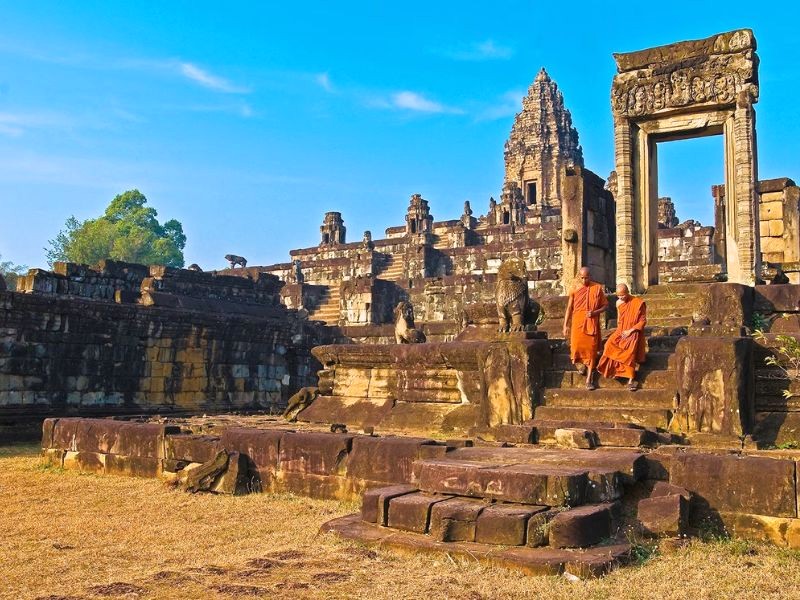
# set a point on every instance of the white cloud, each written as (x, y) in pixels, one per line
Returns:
(324, 81)
(413, 101)
(209, 80)
(486, 50)
(508, 105)
(16, 124)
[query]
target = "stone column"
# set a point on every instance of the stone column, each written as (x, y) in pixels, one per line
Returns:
(745, 200)
(623, 159)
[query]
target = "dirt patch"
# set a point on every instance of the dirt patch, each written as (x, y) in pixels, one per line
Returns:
(209, 570)
(287, 555)
(330, 577)
(239, 590)
(361, 552)
(262, 564)
(118, 588)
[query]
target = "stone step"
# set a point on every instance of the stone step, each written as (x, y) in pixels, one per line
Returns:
(646, 417)
(630, 464)
(531, 484)
(655, 361)
(648, 379)
(662, 302)
(675, 289)
(622, 435)
(591, 562)
(609, 398)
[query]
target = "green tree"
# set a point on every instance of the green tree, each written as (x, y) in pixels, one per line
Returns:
(11, 272)
(127, 231)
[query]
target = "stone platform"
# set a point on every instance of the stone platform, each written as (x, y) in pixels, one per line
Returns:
(459, 490)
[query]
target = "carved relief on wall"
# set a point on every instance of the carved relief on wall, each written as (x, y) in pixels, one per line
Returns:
(679, 88)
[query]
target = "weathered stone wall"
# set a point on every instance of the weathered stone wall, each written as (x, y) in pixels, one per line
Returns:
(73, 356)
(128, 338)
(687, 253)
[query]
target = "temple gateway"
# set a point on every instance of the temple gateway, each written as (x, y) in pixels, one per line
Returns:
(425, 371)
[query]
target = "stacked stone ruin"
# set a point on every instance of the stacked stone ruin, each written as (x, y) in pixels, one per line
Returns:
(483, 440)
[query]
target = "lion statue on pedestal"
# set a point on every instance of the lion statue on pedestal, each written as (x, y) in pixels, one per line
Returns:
(404, 330)
(514, 307)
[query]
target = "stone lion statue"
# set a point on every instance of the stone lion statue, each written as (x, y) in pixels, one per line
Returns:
(299, 402)
(195, 267)
(236, 260)
(511, 295)
(404, 330)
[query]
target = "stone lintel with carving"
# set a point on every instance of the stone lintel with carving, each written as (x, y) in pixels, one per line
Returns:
(721, 70)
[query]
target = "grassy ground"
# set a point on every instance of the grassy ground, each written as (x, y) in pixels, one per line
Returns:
(69, 536)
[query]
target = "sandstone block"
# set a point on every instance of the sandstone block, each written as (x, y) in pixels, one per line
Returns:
(132, 466)
(192, 448)
(664, 515)
(315, 453)
(261, 447)
(515, 434)
(388, 459)
(455, 520)
(505, 524)
(538, 532)
(746, 484)
(663, 488)
(375, 502)
(776, 228)
(575, 438)
(581, 527)
(234, 480)
(411, 512)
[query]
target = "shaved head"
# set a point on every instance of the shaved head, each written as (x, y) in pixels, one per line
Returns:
(623, 292)
(585, 275)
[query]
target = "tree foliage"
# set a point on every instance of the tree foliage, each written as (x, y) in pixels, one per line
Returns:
(11, 272)
(128, 231)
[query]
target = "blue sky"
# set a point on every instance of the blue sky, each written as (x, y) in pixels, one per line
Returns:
(247, 121)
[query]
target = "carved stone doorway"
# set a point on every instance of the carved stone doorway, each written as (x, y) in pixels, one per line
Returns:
(684, 90)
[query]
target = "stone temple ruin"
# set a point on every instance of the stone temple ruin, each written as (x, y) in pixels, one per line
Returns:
(481, 439)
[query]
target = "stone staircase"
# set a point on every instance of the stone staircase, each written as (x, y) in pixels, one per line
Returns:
(612, 415)
(391, 269)
(328, 309)
(542, 510)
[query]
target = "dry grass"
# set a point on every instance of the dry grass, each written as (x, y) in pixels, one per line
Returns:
(65, 535)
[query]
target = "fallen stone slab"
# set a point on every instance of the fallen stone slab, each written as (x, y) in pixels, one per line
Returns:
(591, 562)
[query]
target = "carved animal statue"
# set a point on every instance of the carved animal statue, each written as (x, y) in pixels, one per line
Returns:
(236, 260)
(404, 330)
(299, 402)
(511, 295)
(195, 267)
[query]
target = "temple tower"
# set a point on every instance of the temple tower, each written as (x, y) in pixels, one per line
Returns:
(332, 229)
(418, 217)
(543, 143)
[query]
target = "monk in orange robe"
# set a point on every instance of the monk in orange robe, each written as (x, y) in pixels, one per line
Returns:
(586, 303)
(625, 348)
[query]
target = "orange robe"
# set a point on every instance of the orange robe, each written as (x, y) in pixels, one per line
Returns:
(621, 355)
(584, 339)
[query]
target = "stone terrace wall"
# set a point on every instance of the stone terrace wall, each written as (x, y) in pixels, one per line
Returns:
(124, 339)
